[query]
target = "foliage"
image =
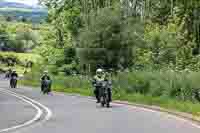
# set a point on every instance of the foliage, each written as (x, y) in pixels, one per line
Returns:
(18, 37)
(170, 90)
(156, 42)
(20, 58)
(177, 85)
(111, 40)
(167, 32)
(21, 62)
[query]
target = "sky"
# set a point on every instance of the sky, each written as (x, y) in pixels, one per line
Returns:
(27, 2)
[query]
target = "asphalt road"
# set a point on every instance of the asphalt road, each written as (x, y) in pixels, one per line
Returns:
(76, 114)
(14, 111)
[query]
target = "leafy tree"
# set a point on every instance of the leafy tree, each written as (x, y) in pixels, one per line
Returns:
(109, 40)
(26, 35)
(4, 37)
(161, 33)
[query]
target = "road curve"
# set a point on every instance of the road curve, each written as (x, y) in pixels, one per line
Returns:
(73, 114)
(14, 110)
(43, 113)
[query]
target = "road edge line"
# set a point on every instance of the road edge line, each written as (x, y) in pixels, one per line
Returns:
(36, 117)
(48, 111)
(177, 115)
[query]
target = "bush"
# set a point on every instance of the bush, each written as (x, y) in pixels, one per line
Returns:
(53, 69)
(19, 58)
(171, 84)
(164, 84)
(168, 89)
(59, 81)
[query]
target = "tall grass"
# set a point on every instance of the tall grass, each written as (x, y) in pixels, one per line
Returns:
(60, 82)
(177, 85)
(168, 89)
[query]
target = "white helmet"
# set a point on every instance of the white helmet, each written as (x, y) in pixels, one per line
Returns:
(45, 71)
(99, 70)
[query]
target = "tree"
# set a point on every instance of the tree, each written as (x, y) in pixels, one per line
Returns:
(148, 32)
(26, 35)
(109, 40)
(4, 37)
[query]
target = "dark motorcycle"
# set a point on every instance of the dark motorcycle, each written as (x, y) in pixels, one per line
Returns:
(13, 82)
(46, 86)
(7, 75)
(104, 96)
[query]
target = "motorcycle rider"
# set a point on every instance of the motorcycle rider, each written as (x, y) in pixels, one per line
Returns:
(12, 76)
(96, 83)
(44, 77)
(109, 85)
(8, 73)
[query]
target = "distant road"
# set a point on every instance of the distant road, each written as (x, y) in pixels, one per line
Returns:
(73, 114)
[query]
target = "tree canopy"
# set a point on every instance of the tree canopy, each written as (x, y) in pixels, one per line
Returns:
(122, 34)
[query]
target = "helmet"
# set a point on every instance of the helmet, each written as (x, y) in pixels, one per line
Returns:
(106, 73)
(99, 70)
(45, 71)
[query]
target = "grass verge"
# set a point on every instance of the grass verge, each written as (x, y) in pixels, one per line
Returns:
(164, 102)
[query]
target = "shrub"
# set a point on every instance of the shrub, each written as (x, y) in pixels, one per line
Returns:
(170, 84)
(19, 58)
(165, 84)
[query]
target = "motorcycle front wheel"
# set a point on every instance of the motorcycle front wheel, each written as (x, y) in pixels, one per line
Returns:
(107, 101)
(15, 84)
(102, 101)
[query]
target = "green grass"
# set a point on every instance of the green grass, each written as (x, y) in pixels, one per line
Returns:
(73, 85)
(170, 90)
(167, 103)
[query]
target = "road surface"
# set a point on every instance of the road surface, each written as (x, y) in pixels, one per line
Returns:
(76, 114)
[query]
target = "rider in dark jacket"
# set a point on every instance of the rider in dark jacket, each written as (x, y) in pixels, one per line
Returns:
(44, 77)
(96, 83)
(12, 76)
(8, 73)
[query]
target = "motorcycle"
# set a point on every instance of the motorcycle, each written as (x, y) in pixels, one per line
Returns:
(13, 82)
(7, 75)
(104, 96)
(46, 86)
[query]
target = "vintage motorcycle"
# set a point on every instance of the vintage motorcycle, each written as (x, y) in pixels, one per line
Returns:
(46, 86)
(13, 82)
(104, 96)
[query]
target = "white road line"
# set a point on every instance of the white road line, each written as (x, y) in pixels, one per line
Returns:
(167, 114)
(37, 116)
(49, 112)
(143, 109)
